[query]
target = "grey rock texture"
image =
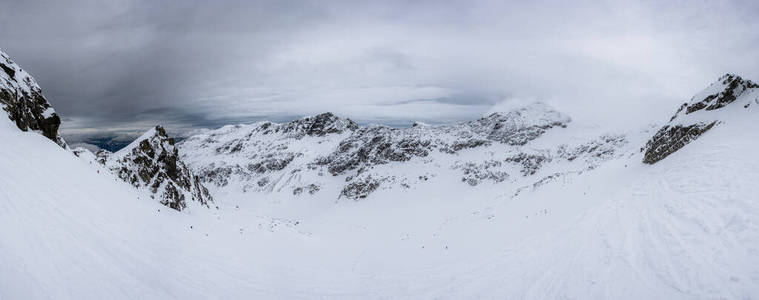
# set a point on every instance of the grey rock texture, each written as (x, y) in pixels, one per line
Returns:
(21, 98)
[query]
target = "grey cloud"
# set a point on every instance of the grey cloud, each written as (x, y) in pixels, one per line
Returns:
(124, 65)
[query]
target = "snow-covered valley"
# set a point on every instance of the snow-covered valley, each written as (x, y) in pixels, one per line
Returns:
(525, 204)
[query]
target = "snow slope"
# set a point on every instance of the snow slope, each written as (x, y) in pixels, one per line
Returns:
(685, 227)
(68, 232)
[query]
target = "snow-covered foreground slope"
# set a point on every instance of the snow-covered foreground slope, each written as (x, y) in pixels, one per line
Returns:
(68, 230)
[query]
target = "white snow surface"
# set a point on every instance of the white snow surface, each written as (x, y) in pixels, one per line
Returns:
(686, 227)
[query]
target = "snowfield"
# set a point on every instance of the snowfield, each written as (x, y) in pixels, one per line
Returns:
(569, 212)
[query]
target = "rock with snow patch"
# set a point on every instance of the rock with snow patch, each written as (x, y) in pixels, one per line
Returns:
(705, 111)
(152, 162)
(21, 97)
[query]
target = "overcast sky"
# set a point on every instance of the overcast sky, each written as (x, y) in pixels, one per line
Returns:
(123, 65)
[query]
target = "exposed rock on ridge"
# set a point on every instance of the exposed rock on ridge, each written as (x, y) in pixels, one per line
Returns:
(21, 97)
(698, 116)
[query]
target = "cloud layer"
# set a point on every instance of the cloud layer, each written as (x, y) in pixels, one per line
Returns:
(125, 65)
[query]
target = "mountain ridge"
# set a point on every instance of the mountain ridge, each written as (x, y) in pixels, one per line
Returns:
(270, 157)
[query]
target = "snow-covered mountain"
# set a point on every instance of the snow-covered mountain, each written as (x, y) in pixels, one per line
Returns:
(328, 154)
(152, 162)
(525, 204)
(22, 99)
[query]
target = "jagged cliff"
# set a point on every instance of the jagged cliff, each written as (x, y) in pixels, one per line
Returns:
(21, 97)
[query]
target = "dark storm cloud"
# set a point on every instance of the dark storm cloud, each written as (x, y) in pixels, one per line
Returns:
(124, 65)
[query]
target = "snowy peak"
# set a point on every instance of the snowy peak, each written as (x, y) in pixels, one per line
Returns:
(521, 125)
(152, 162)
(22, 99)
(721, 101)
(319, 125)
(726, 90)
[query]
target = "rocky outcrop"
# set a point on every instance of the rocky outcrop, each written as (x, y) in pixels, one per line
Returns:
(360, 188)
(475, 173)
(698, 116)
(731, 87)
(21, 97)
(671, 138)
(152, 162)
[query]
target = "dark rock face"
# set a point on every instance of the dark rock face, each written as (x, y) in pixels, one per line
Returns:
(684, 128)
(22, 99)
(374, 145)
(670, 139)
(154, 163)
(360, 189)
